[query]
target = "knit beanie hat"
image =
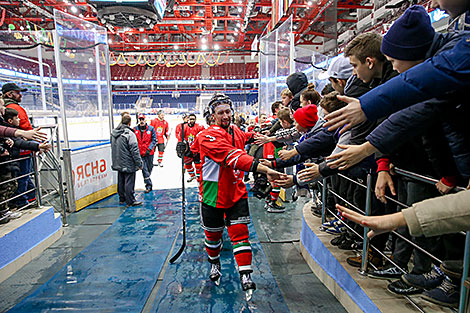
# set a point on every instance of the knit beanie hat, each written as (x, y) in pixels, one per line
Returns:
(306, 116)
(410, 37)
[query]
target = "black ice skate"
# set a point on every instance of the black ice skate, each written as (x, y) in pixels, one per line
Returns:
(191, 178)
(273, 207)
(215, 273)
(248, 285)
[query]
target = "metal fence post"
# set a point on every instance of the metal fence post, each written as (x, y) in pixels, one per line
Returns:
(67, 155)
(466, 260)
(323, 202)
(37, 180)
(365, 242)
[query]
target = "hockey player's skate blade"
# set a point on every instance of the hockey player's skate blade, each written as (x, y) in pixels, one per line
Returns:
(215, 273)
(248, 294)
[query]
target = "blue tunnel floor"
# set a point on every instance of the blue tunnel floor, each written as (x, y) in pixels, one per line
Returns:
(115, 259)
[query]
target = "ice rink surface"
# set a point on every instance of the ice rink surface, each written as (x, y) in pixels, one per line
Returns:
(166, 177)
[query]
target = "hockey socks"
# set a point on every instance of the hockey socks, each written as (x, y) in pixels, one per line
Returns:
(190, 169)
(213, 243)
(198, 167)
(160, 156)
(275, 193)
(241, 246)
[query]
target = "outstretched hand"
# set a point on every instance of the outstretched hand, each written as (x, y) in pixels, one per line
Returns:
(34, 134)
(377, 224)
(287, 154)
(266, 163)
(384, 181)
(310, 172)
(348, 116)
(285, 181)
(351, 155)
(274, 175)
(261, 139)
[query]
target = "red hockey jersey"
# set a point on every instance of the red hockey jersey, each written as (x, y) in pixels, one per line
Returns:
(189, 132)
(161, 129)
(224, 162)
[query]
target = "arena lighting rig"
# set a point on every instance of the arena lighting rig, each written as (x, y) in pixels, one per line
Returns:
(130, 13)
(157, 25)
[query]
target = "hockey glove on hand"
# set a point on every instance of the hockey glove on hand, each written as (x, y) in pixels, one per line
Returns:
(181, 148)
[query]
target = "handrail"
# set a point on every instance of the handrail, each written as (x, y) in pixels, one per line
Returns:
(422, 178)
(365, 245)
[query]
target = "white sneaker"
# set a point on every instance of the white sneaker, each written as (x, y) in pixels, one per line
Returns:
(13, 215)
(160, 164)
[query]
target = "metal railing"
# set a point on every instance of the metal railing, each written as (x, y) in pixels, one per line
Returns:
(365, 240)
(27, 175)
(39, 164)
(49, 166)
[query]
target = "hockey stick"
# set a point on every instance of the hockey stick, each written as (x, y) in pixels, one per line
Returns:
(183, 208)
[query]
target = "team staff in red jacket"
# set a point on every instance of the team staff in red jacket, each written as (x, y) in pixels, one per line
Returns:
(222, 193)
(147, 139)
(162, 131)
(191, 129)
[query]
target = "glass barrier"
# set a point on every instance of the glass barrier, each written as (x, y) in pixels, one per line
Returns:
(30, 65)
(81, 53)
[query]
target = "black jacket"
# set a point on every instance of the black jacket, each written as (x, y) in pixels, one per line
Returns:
(125, 150)
(319, 142)
(297, 82)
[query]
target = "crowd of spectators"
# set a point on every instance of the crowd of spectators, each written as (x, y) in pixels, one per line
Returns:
(333, 133)
(18, 140)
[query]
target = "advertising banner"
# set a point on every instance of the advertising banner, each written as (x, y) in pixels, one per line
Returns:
(93, 177)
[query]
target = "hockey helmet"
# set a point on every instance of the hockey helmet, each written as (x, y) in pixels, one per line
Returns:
(218, 98)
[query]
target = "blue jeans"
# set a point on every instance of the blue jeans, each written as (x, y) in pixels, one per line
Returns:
(24, 184)
(147, 170)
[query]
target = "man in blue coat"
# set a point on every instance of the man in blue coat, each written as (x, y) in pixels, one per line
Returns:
(450, 69)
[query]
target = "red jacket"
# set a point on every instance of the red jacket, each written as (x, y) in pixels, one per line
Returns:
(22, 115)
(161, 129)
(224, 162)
(189, 132)
(147, 139)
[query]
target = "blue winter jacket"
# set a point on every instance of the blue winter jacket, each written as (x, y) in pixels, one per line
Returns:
(445, 72)
(414, 120)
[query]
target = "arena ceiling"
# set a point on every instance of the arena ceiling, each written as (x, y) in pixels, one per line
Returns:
(190, 25)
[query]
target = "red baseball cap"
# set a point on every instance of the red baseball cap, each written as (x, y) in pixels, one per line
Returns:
(141, 115)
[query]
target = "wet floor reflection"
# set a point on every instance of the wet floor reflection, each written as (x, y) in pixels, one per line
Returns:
(118, 270)
(186, 286)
